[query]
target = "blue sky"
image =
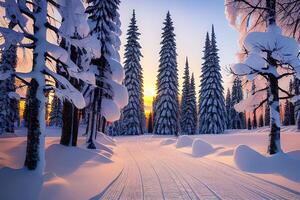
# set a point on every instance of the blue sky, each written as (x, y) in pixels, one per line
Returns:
(192, 19)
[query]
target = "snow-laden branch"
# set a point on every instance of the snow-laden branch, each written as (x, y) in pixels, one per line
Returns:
(66, 89)
(252, 102)
(263, 47)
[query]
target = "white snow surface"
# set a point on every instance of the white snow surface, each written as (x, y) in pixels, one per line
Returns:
(233, 165)
(201, 148)
(110, 110)
(70, 173)
(184, 141)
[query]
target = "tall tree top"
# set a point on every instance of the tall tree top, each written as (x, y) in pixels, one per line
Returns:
(186, 76)
(168, 30)
(214, 48)
(207, 46)
(132, 47)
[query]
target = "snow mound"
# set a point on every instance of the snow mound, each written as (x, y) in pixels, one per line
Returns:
(184, 141)
(201, 148)
(167, 141)
(248, 159)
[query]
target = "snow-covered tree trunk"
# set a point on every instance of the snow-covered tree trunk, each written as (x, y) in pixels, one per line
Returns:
(274, 136)
(70, 113)
(35, 155)
(92, 131)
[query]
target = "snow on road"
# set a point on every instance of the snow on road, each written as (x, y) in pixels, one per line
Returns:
(156, 172)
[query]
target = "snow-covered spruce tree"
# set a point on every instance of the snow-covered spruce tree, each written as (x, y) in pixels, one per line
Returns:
(133, 117)
(55, 118)
(270, 55)
(42, 51)
(237, 119)
(192, 105)
(109, 96)
(228, 105)
(166, 113)
(212, 112)
(184, 104)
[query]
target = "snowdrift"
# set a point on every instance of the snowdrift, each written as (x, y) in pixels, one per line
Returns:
(249, 160)
(201, 148)
(184, 141)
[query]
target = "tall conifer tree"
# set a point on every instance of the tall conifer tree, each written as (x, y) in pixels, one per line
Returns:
(105, 26)
(133, 114)
(192, 105)
(166, 104)
(184, 107)
(212, 113)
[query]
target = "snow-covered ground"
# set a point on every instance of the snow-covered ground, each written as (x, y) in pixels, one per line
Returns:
(71, 172)
(229, 166)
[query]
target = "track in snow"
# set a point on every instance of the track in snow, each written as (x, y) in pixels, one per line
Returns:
(152, 172)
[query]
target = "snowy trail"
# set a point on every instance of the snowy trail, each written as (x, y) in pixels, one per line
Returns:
(153, 172)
